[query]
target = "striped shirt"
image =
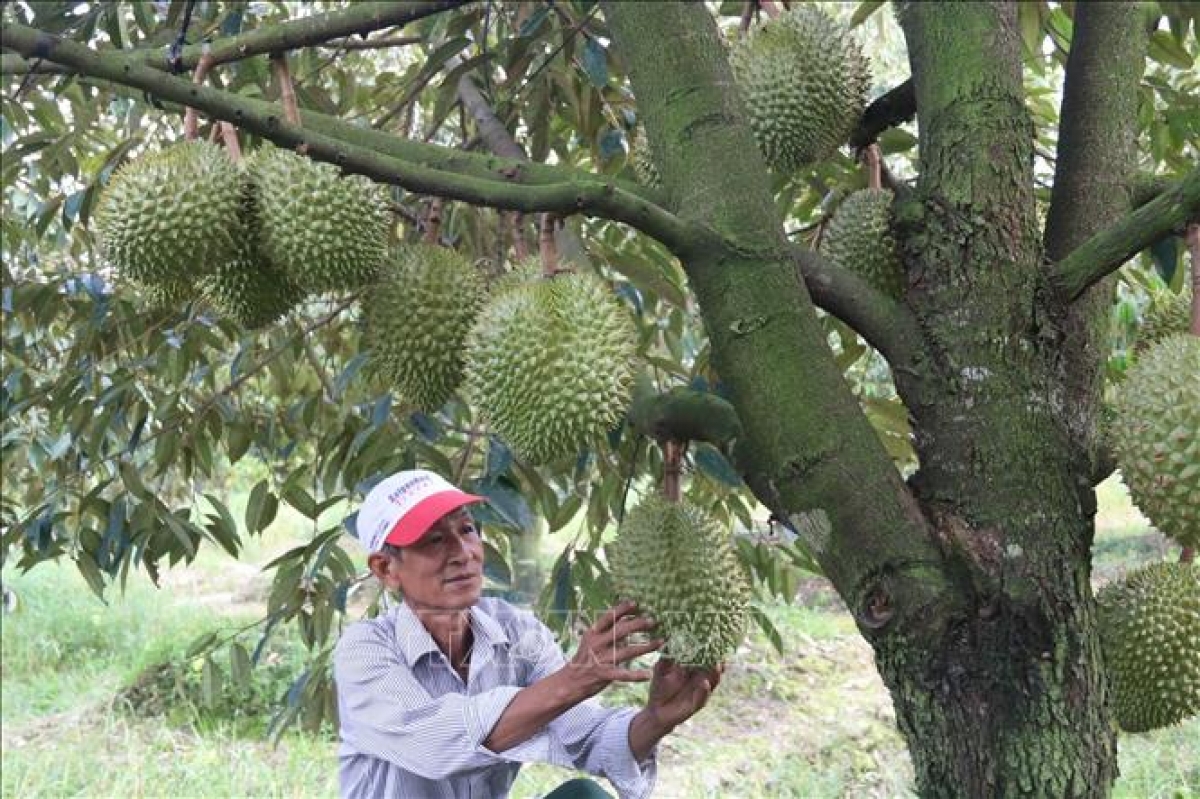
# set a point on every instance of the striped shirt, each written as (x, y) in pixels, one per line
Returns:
(411, 728)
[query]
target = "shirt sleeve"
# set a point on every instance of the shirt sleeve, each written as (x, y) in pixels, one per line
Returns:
(589, 736)
(385, 713)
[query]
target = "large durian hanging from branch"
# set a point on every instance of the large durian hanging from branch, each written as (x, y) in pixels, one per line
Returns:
(417, 318)
(171, 216)
(550, 363)
(1155, 436)
(680, 566)
(328, 231)
(804, 82)
(1150, 630)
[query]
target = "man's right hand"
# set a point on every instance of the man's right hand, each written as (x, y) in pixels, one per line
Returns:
(604, 650)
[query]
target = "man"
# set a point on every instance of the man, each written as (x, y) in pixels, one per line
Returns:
(450, 692)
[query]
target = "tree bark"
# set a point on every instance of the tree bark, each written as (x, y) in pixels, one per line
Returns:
(1013, 702)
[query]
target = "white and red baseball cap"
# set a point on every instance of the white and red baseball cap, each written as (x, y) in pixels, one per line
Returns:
(401, 508)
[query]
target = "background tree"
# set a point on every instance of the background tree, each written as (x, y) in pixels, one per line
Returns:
(963, 558)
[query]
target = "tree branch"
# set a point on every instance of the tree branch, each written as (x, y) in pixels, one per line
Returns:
(1107, 250)
(358, 18)
(897, 106)
(1097, 148)
(885, 324)
(418, 167)
(379, 43)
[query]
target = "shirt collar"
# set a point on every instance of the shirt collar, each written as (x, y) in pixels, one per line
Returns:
(415, 641)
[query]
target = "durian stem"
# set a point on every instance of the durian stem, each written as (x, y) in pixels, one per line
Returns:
(191, 118)
(520, 245)
(874, 162)
(230, 137)
(287, 91)
(673, 469)
(547, 246)
(433, 221)
(1187, 555)
(769, 8)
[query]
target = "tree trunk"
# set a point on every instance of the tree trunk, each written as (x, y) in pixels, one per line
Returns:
(972, 583)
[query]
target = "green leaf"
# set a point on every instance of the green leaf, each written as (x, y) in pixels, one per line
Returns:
(595, 63)
(91, 574)
(1166, 50)
(210, 683)
(864, 11)
(240, 667)
(301, 500)
(200, 645)
(260, 508)
(768, 627)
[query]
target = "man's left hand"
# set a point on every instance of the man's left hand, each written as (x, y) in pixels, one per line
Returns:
(678, 692)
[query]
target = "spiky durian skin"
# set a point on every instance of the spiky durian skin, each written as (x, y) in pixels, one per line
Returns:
(1168, 314)
(1150, 630)
(417, 317)
(681, 568)
(860, 240)
(326, 230)
(250, 290)
(804, 81)
(550, 363)
(172, 215)
(642, 161)
(171, 296)
(1155, 437)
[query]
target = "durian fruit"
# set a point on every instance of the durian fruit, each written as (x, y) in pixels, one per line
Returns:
(171, 295)
(172, 215)
(326, 230)
(860, 240)
(550, 363)
(1167, 314)
(250, 290)
(804, 81)
(1150, 631)
(681, 568)
(1155, 438)
(642, 161)
(247, 288)
(417, 317)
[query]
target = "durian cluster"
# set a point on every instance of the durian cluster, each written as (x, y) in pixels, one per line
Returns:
(548, 361)
(681, 568)
(1150, 630)
(1150, 622)
(251, 238)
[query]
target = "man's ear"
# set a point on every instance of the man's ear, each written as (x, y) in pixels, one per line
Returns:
(378, 563)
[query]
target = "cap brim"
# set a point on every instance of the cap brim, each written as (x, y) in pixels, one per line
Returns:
(414, 524)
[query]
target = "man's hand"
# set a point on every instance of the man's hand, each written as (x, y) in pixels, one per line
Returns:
(676, 694)
(604, 650)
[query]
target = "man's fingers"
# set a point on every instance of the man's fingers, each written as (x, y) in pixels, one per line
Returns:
(629, 626)
(631, 651)
(629, 675)
(609, 617)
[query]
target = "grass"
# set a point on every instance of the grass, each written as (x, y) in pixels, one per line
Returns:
(815, 722)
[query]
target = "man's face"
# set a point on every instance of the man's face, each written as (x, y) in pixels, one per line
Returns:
(441, 571)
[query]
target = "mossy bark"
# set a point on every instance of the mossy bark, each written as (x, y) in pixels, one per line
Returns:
(972, 582)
